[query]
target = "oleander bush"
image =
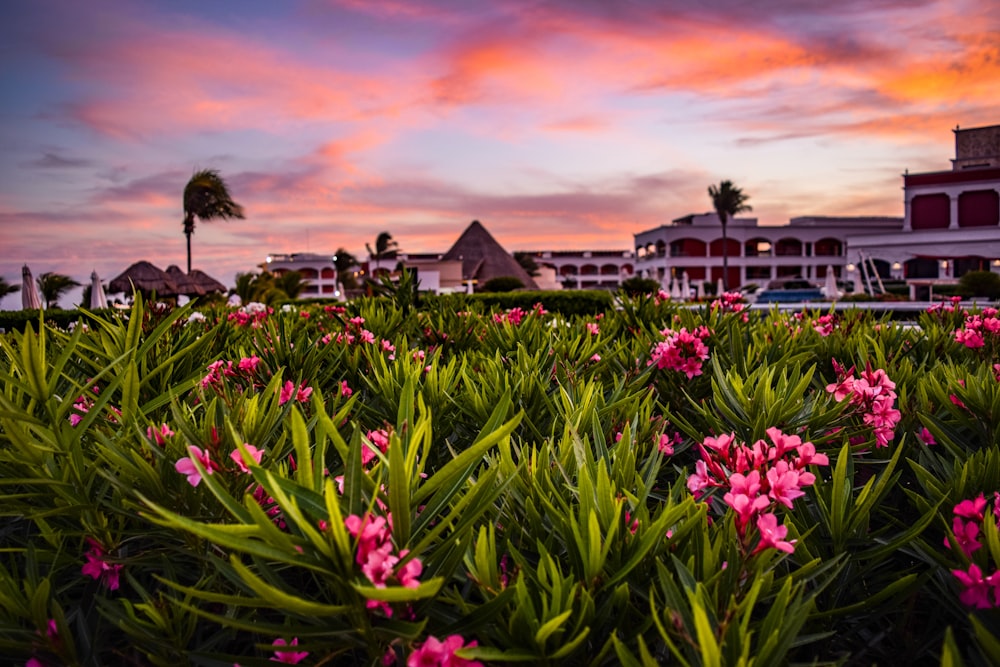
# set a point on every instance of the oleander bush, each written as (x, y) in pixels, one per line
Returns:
(455, 482)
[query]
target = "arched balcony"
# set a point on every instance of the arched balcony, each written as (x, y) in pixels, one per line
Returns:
(568, 270)
(828, 247)
(758, 248)
(328, 273)
(661, 248)
(308, 274)
(588, 270)
(788, 247)
(687, 247)
(609, 270)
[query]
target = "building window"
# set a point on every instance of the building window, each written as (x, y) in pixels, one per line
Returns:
(978, 209)
(930, 212)
(758, 272)
(327, 273)
(920, 267)
(789, 271)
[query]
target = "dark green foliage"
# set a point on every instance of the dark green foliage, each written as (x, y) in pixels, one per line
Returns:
(980, 283)
(635, 286)
(521, 467)
(502, 284)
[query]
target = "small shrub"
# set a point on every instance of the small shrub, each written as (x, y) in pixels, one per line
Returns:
(502, 284)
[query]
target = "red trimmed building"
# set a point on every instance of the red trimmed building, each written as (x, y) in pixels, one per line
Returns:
(951, 226)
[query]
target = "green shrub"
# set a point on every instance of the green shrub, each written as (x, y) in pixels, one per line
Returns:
(980, 283)
(502, 284)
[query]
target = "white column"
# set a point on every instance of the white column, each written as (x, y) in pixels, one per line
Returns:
(908, 215)
(953, 222)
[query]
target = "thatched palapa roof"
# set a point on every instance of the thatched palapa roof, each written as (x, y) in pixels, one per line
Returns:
(146, 278)
(483, 258)
(196, 283)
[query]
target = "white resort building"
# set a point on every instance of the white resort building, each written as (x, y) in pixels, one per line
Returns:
(951, 226)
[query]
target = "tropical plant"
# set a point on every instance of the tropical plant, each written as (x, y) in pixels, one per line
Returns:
(502, 284)
(344, 261)
(728, 201)
(7, 288)
(291, 283)
(527, 262)
(385, 248)
(206, 197)
(636, 285)
(53, 285)
(980, 283)
(268, 288)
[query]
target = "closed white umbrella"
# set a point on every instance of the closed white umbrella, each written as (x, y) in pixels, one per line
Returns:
(685, 286)
(29, 292)
(830, 290)
(720, 288)
(98, 299)
(675, 291)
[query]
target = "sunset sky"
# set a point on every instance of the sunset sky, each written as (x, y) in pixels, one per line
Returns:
(569, 124)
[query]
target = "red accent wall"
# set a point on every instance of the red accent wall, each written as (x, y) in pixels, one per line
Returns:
(694, 272)
(979, 208)
(930, 211)
(734, 275)
(715, 248)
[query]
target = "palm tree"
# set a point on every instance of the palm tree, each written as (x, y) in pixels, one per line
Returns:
(343, 261)
(728, 201)
(53, 285)
(385, 248)
(6, 288)
(206, 197)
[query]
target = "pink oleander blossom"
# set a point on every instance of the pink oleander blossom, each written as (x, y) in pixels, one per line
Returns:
(160, 435)
(98, 567)
(977, 589)
(926, 436)
(436, 653)
(772, 535)
(301, 393)
(292, 657)
(255, 455)
(186, 466)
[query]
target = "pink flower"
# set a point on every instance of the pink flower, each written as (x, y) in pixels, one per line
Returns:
(772, 536)
(435, 653)
(255, 454)
(289, 657)
(187, 467)
(595, 358)
(249, 364)
(666, 443)
(977, 589)
(926, 436)
(300, 393)
(345, 391)
(966, 533)
(159, 436)
(593, 329)
(408, 574)
(785, 483)
(97, 566)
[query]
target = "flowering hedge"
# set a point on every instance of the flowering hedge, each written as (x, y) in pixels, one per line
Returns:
(378, 485)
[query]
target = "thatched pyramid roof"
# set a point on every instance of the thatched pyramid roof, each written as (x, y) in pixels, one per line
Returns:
(483, 258)
(146, 278)
(195, 283)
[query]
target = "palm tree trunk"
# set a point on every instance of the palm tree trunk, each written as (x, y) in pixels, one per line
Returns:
(725, 259)
(188, 235)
